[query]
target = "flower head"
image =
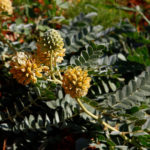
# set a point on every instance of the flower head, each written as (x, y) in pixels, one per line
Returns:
(50, 46)
(6, 6)
(51, 41)
(76, 82)
(25, 68)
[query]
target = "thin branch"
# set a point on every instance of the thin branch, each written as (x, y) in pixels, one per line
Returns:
(136, 9)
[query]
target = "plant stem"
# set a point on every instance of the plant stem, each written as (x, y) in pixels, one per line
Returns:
(52, 70)
(59, 74)
(56, 80)
(103, 122)
(51, 62)
(94, 116)
(136, 9)
(85, 110)
(142, 14)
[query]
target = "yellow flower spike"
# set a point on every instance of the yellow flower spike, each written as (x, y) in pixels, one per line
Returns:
(51, 41)
(75, 82)
(6, 6)
(25, 69)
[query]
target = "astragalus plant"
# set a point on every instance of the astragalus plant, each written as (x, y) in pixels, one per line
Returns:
(79, 83)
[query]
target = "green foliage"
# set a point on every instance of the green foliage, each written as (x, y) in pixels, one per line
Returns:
(88, 57)
(140, 56)
(132, 94)
(107, 17)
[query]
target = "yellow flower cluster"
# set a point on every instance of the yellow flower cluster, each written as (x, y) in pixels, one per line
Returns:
(51, 43)
(76, 82)
(6, 6)
(25, 69)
